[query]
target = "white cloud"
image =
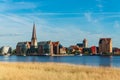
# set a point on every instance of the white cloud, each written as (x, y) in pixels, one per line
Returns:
(15, 28)
(116, 24)
(100, 5)
(90, 18)
(12, 6)
(116, 28)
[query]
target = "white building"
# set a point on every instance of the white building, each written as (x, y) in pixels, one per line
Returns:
(6, 50)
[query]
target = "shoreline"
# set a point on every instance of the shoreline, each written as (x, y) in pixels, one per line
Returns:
(61, 55)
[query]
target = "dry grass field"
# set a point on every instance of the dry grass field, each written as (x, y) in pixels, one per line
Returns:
(55, 71)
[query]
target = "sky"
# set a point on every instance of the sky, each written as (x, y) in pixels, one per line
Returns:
(67, 21)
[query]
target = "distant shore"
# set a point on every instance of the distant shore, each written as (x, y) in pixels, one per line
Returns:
(70, 55)
(67, 54)
(55, 71)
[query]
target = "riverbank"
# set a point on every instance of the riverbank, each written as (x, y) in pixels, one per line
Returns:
(55, 71)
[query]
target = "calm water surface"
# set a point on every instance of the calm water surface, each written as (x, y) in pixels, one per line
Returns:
(113, 61)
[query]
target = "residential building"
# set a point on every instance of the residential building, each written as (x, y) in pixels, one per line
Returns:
(75, 48)
(62, 49)
(45, 47)
(56, 49)
(86, 51)
(116, 51)
(22, 48)
(93, 50)
(97, 49)
(105, 45)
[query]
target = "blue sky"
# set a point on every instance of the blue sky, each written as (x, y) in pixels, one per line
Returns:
(67, 21)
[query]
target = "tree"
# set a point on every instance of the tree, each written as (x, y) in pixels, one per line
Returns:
(13, 52)
(86, 51)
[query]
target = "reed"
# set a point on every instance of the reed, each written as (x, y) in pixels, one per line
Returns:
(55, 71)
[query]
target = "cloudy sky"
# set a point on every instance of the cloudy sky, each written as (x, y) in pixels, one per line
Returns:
(67, 21)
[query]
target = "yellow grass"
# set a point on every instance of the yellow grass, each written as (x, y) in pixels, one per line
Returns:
(55, 71)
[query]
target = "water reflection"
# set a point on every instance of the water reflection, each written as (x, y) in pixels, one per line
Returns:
(105, 61)
(55, 59)
(80, 60)
(6, 58)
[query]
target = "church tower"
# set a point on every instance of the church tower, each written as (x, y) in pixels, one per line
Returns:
(85, 43)
(34, 38)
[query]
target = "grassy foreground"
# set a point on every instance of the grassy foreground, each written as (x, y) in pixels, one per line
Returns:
(55, 71)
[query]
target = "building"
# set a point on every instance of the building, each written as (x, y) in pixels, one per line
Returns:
(50, 48)
(85, 43)
(97, 49)
(75, 49)
(62, 49)
(45, 47)
(28, 48)
(86, 51)
(56, 49)
(80, 45)
(116, 51)
(34, 38)
(39, 48)
(5, 50)
(93, 50)
(105, 45)
(22, 48)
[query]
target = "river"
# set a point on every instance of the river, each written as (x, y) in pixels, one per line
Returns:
(113, 61)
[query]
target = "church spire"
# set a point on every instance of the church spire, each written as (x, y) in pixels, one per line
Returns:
(34, 37)
(34, 32)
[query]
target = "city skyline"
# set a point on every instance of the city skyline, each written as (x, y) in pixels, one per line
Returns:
(67, 21)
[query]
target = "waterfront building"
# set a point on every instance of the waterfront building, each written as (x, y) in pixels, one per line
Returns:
(34, 38)
(80, 45)
(50, 48)
(93, 50)
(34, 44)
(75, 49)
(38, 48)
(62, 49)
(116, 51)
(28, 48)
(5, 50)
(45, 47)
(97, 49)
(105, 45)
(85, 43)
(22, 48)
(86, 51)
(56, 49)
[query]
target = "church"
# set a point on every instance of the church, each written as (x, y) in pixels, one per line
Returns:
(39, 48)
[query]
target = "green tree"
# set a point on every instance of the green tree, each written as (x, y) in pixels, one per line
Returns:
(13, 52)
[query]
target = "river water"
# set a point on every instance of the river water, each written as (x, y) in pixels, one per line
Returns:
(113, 61)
